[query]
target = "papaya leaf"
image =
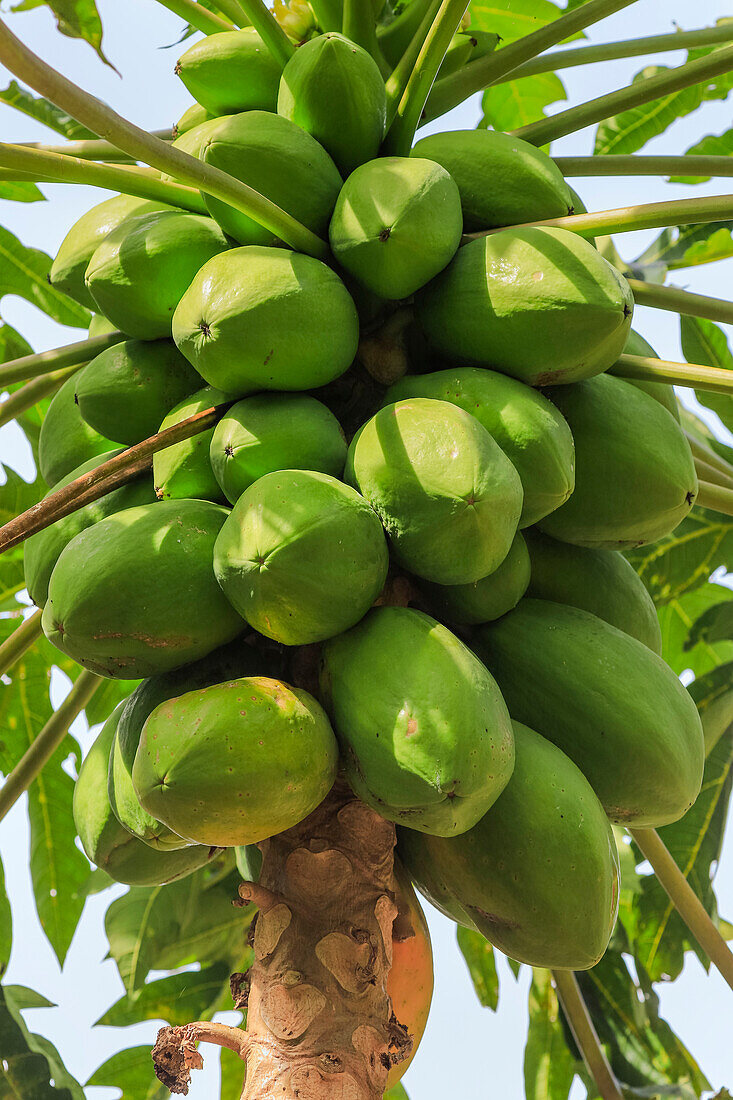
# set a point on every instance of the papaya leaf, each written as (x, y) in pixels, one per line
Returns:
(713, 695)
(23, 997)
(132, 1072)
(396, 1093)
(700, 430)
(106, 698)
(641, 1047)
(512, 19)
(176, 999)
(720, 145)
(715, 624)
(705, 342)
(20, 191)
(549, 1065)
(518, 102)
(29, 1063)
(6, 924)
(42, 110)
(75, 19)
(685, 559)
(12, 344)
(682, 646)
(685, 246)
(24, 706)
(23, 271)
(479, 956)
(232, 1079)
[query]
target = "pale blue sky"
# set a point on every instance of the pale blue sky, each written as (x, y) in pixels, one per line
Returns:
(467, 1052)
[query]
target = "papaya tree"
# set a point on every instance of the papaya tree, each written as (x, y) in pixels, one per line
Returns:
(381, 555)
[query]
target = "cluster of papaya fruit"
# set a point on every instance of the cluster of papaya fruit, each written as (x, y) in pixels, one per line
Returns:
(516, 704)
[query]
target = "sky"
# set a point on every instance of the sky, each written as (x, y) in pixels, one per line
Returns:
(467, 1051)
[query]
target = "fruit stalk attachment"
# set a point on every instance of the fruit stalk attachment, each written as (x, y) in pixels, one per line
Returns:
(397, 81)
(19, 641)
(635, 95)
(684, 899)
(48, 740)
(105, 477)
(43, 362)
(712, 475)
(585, 1035)
(715, 379)
(717, 498)
(141, 145)
(636, 165)
(319, 1020)
(681, 301)
(452, 90)
(269, 30)
(34, 391)
(197, 15)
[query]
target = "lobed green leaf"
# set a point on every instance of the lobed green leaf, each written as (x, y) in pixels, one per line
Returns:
(549, 1065)
(42, 110)
(479, 956)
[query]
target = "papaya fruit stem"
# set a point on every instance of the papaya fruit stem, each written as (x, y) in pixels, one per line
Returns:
(327, 15)
(359, 25)
(716, 498)
(48, 740)
(43, 362)
(269, 30)
(429, 59)
(675, 300)
(627, 219)
(397, 80)
(479, 74)
(19, 641)
(635, 95)
(234, 10)
(635, 165)
(614, 51)
(104, 478)
(708, 473)
(34, 391)
(127, 179)
(715, 379)
(198, 16)
(93, 148)
(685, 900)
(140, 145)
(585, 1034)
(175, 1053)
(703, 451)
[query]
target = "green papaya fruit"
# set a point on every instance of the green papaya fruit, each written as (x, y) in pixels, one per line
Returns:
(465, 47)
(125, 392)
(660, 391)
(183, 469)
(635, 477)
(99, 325)
(266, 318)
(501, 179)
(600, 581)
(193, 140)
(83, 239)
(606, 700)
(525, 424)
(237, 762)
(146, 599)
(396, 224)
(334, 90)
(538, 875)
(539, 304)
(424, 732)
(274, 431)
(42, 550)
(486, 599)
(278, 159)
(104, 840)
(231, 71)
(302, 557)
(191, 117)
(139, 272)
(66, 440)
(231, 661)
(446, 493)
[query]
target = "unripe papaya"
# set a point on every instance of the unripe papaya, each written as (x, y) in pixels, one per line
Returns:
(140, 271)
(486, 599)
(538, 875)
(302, 557)
(99, 325)
(424, 732)
(66, 440)
(125, 392)
(606, 700)
(266, 318)
(193, 140)
(446, 493)
(540, 304)
(83, 239)
(136, 594)
(274, 431)
(183, 469)
(42, 550)
(635, 478)
(335, 91)
(600, 581)
(231, 71)
(502, 180)
(236, 762)
(525, 424)
(193, 116)
(396, 224)
(410, 977)
(660, 391)
(278, 159)
(104, 840)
